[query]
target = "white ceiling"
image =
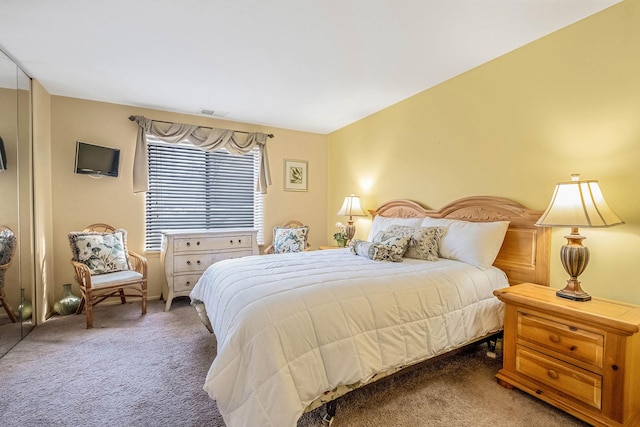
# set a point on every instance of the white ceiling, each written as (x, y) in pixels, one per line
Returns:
(299, 64)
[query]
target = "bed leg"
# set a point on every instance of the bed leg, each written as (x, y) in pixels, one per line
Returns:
(492, 342)
(328, 418)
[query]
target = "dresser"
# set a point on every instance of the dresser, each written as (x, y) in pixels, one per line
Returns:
(186, 254)
(581, 357)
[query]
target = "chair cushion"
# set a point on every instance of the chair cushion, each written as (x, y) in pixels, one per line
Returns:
(287, 239)
(101, 252)
(107, 279)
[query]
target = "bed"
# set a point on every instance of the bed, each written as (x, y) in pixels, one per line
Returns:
(296, 331)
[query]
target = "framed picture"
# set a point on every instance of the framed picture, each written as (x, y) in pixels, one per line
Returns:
(295, 175)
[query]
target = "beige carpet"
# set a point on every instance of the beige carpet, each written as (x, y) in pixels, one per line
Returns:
(148, 371)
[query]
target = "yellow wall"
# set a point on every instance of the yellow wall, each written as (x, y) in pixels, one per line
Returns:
(79, 200)
(567, 103)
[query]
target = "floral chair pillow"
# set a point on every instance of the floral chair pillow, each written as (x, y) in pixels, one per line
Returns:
(7, 245)
(287, 240)
(7, 248)
(101, 252)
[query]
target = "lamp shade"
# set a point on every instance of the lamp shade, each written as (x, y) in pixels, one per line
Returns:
(351, 207)
(578, 204)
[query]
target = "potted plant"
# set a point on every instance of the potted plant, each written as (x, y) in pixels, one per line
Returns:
(340, 236)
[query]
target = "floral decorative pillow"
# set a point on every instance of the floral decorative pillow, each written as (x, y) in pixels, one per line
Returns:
(398, 244)
(7, 246)
(424, 242)
(287, 240)
(373, 251)
(101, 252)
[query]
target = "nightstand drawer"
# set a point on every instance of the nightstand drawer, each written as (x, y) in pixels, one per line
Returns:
(566, 339)
(185, 283)
(570, 380)
(213, 243)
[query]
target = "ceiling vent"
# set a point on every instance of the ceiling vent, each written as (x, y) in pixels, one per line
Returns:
(212, 113)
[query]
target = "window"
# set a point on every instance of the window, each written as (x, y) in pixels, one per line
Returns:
(194, 189)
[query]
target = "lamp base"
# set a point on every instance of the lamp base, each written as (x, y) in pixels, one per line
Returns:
(350, 230)
(575, 296)
(574, 258)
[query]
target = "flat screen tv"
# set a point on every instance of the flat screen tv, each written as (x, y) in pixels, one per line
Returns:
(96, 160)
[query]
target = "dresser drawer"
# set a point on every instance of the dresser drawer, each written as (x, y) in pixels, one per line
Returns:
(570, 380)
(241, 241)
(200, 262)
(568, 340)
(185, 283)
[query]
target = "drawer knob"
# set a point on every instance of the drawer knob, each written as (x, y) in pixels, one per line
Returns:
(239, 240)
(188, 244)
(614, 367)
(198, 243)
(188, 262)
(188, 282)
(554, 338)
(198, 262)
(552, 374)
(231, 242)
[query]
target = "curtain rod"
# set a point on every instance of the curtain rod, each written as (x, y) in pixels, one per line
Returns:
(132, 118)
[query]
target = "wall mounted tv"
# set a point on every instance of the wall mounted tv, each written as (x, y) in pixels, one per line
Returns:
(96, 160)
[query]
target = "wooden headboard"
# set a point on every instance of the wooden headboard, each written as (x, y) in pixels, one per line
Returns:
(524, 255)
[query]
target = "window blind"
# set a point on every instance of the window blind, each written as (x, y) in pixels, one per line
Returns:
(194, 189)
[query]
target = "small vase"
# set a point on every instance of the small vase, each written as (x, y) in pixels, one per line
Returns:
(69, 302)
(25, 310)
(341, 243)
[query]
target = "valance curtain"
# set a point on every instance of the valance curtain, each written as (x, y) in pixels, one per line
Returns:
(205, 138)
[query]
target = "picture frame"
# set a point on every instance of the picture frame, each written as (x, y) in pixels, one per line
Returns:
(296, 175)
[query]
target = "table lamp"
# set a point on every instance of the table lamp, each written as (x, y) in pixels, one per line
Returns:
(351, 207)
(577, 204)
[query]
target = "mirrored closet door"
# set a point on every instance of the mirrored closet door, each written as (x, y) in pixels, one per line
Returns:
(16, 200)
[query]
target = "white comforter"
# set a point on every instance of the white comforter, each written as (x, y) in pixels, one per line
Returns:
(291, 326)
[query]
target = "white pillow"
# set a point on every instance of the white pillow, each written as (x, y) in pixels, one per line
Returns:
(381, 223)
(476, 243)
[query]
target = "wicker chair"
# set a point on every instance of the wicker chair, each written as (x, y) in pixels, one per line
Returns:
(7, 251)
(290, 224)
(99, 287)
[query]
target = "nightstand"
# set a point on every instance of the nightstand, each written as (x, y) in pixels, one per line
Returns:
(581, 357)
